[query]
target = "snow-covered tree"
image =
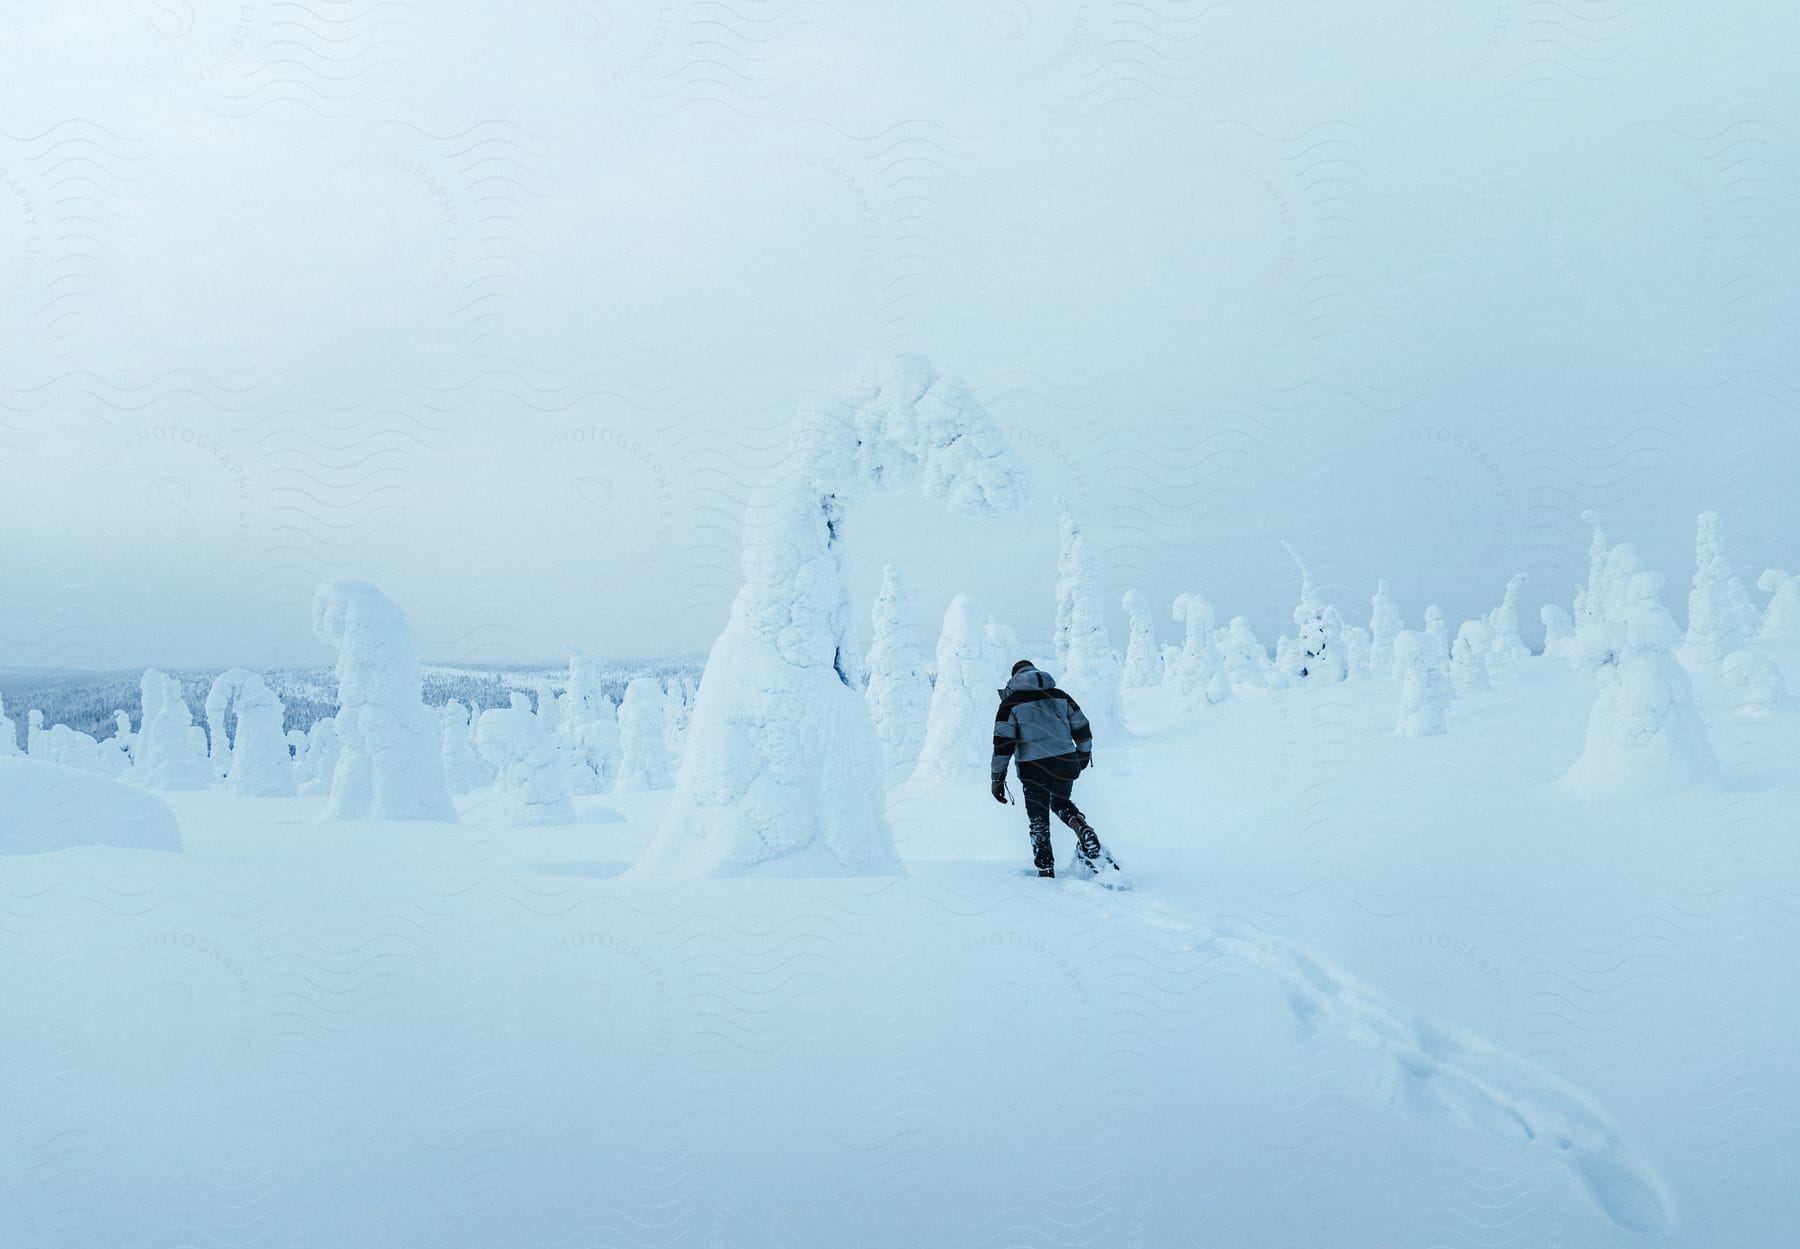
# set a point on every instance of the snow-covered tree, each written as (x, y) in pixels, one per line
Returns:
(644, 760)
(1338, 659)
(218, 741)
(1424, 691)
(1143, 661)
(9, 735)
(323, 749)
(959, 724)
(1200, 679)
(592, 751)
(166, 755)
(1645, 735)
(1316, 653)
(1437, 628)
(1171, 659)
(1744, 609)
(1358, 642)
(783, 770)
(518, 744)
(1385, 623)
(1754, 682)
(465, 768)
(1090, 668)
(1601, 626)
(547, 710)
(1559, 631)
(257, 763)
(1781, 619)
(119, 743)
(678, 713)
(391, 765)
(1066, 583)
(899, 689)
(1622, 568)
(1509, 646)
(1245, 658)
(1590, 601)
(1003, 639)
(1469, 658)
(62, 745)
(590, 728)
(1715, 618)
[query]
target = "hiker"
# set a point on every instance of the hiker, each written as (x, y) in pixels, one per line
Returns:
(1043, 728)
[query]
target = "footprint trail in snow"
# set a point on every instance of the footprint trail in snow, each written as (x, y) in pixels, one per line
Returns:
(1437, 1066)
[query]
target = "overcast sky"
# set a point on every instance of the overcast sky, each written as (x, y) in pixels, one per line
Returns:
(505, 307)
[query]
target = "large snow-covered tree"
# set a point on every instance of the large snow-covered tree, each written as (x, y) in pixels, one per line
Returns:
(1509, 644)
(1199, 677)
(678, 713)
(1143, 659)
(1715, 617)
(1317, 653)
(1065, 585)
(1437, 628)
(1090, 669)
(519, 745)
(899, 689)
(1419, 671)
(167, 754)
(391, 760)
(782, 773)
(464, 767)
(959, 723)
(1645, 734)
(1469, 658)
(644, 751)
(1246, 659)
(1781, 619)
(9, 735)
(319, 765)
(590, 728)
(1385, 623)
(256, 759)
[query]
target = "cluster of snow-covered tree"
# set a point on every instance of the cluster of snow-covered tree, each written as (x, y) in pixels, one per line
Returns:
(1645, 731)
(781, 754)
(384, 753)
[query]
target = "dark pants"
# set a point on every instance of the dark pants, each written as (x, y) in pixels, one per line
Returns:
(1047, 784)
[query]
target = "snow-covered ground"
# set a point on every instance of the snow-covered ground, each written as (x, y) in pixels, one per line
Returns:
(1370, 991)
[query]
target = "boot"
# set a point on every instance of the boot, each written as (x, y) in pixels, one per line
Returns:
(1087, 840)
(1042, 854)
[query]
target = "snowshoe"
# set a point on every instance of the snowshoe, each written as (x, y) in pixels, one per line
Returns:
(1102, 869)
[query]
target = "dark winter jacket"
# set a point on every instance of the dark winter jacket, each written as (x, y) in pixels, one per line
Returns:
(1036, 720)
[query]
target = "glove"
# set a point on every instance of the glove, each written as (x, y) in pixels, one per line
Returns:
(1087, 761)
(999, 789)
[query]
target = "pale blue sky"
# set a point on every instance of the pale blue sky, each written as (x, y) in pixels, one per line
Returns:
(505, 311)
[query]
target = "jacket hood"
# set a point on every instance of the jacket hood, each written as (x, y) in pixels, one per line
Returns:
(1029, 679)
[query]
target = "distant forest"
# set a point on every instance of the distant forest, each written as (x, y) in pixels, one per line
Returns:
(86, 701)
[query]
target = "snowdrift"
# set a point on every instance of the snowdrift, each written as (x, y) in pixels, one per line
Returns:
(44, 807)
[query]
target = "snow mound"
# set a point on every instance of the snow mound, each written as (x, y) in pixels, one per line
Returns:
(45, 807)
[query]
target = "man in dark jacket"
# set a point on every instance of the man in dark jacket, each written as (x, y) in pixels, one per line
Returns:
(1043, 729)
